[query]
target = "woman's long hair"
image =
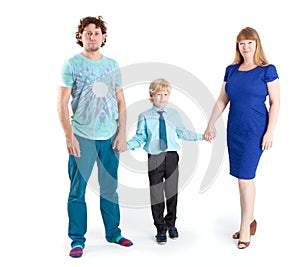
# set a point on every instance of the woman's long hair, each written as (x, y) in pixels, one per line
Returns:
(259, 55)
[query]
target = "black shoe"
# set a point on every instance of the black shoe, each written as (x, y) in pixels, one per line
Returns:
(161, 238)
(173, 233)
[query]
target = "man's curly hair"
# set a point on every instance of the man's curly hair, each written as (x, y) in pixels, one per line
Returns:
(99, 22)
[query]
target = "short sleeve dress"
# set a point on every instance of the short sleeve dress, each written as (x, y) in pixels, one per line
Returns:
(248, 116)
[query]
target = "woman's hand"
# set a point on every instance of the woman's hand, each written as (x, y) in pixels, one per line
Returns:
(210, 133)
(267, 141)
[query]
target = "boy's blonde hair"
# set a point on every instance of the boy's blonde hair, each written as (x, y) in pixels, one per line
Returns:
(159, 85)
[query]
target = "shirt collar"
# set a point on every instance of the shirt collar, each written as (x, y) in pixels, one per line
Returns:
(155, 109)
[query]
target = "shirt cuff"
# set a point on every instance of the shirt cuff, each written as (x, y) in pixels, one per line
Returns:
(199, 137)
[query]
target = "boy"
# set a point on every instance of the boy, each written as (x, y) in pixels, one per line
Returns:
(159, 129)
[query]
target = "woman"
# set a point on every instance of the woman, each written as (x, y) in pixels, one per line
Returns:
(250, 126)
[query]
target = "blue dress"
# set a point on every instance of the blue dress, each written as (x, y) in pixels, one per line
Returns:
(248, 116)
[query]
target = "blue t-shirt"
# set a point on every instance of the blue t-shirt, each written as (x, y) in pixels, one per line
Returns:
(94, 104)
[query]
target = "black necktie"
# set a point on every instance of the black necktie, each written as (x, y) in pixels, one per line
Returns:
(163, 142)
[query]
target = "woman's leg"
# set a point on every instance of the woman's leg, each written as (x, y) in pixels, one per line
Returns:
(247, 201)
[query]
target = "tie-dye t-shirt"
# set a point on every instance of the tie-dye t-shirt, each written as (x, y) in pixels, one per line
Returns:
(94, 104)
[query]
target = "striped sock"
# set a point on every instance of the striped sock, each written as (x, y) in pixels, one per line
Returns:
(76, 252)
(123, 241)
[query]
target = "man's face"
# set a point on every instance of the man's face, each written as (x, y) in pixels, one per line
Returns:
(92, 38)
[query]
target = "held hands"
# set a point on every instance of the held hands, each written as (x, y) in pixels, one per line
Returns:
(210, 133)
(119, 143)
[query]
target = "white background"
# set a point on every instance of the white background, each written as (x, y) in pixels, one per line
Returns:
(199, 36)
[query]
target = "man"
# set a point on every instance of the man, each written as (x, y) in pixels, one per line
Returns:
(96, 132)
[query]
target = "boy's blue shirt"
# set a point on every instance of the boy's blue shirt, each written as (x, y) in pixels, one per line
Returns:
(147, 133)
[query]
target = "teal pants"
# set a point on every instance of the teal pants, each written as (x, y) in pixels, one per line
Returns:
(80, 169)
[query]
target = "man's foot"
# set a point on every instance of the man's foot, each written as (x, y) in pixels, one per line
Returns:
(76, 252)
(161, 238)
(122, 241)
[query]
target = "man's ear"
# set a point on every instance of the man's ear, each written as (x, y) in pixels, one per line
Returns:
(79, 36)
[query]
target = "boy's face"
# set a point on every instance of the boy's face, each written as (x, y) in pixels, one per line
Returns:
(160, 99)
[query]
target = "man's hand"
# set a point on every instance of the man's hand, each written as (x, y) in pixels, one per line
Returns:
(73, 146)
(119, 143)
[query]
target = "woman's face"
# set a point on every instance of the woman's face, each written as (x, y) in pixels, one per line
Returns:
(247, 48)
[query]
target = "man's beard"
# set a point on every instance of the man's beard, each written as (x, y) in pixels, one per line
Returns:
(93, 49)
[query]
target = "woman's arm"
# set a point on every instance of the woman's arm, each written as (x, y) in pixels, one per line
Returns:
(218, 109)
(274, 98)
